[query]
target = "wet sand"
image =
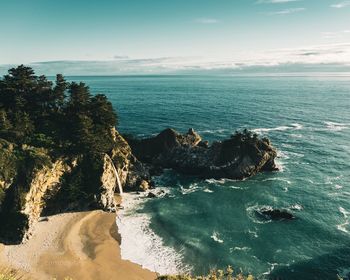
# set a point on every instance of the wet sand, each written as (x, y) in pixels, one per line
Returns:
(83, 245)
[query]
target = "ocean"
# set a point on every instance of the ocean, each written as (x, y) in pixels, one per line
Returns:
(197, 225)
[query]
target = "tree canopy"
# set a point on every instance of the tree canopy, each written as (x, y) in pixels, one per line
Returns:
(59, 115)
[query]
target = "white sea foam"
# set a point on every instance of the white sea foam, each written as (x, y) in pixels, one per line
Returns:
(208, 190)
(297, 126)
(253, 233)
(215, 131)
(235, 188)
(333, 126)
(344, 226)
(344, 212)
(140, 244)
(338, 187)
(296, 135)
(278, 179)
(192, 188)
(240, 249)
(279, 165)
(296, 206)
(215, 181)
(252, 213)
(216, 237)
(271, 268)
(293, 126)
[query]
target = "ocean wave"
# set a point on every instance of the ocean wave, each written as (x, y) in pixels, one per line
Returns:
(208, 190)
(240, 249)
(235, 188)
(278, 179)
(293, 126)
(333, 126)
(214, 131)
(216, 181)
(140, 244)
(253, 233)
(296, 135)
(271, 268)
(216, 237)
(338, 187)
(296, 206)
(191, 189)
(343, 226)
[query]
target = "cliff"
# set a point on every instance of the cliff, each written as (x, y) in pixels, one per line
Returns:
(33, 183)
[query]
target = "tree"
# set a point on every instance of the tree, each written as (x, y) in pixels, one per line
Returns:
(35, 111)
(59, 91)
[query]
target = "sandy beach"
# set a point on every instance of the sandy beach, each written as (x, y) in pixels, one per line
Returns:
(83, 245)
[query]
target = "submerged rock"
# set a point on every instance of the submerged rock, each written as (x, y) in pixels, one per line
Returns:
(275, 214)
(151, 195)
(241, 156)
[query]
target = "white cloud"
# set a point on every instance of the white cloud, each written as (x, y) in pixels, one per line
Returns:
(275, 1)
(206, 20)
(287, 11)
(321, 58)
(341, 5)
(336, 34)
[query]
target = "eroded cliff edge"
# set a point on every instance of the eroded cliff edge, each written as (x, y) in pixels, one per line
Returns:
(34, 184)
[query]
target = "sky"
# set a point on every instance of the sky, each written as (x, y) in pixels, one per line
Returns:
(131, 36)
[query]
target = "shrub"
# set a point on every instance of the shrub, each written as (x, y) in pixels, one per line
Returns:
(227, 274)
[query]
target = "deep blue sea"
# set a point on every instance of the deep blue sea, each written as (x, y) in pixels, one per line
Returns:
(198, 225)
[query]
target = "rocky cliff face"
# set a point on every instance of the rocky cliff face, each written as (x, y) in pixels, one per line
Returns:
(241, 156)
(33, 184)
(44, 180)
(109, 181)
(133, 174)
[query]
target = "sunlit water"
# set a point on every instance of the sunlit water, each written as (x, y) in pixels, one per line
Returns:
(197, 225)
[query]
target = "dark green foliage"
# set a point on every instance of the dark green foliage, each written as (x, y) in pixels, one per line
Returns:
(62, 117)
(79, 188)
(13, 225)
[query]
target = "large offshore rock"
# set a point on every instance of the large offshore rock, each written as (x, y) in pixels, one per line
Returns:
(241, 156)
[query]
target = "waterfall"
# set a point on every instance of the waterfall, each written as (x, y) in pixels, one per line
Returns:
(118, 180)
(118, 183)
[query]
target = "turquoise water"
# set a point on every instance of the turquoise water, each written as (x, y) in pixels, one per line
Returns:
(199, 225)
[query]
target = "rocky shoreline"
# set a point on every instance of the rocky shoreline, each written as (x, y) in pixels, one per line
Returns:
(129, 166)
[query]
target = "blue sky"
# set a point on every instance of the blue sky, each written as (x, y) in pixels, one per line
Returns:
(196, 32)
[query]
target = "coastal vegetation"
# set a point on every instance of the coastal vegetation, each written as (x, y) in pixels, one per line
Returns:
(215, 274)
(9, 274)
(45, 125)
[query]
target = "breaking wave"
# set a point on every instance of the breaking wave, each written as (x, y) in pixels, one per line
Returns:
(140, 244)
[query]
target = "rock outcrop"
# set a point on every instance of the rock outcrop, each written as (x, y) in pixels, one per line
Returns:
(43, 180)
(275, 214)
(109, 182)
(241, 156)
(133, 174)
